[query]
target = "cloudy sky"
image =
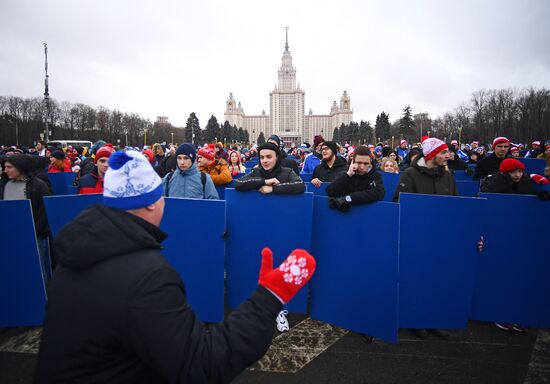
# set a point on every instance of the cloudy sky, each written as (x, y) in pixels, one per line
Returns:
(171, 58)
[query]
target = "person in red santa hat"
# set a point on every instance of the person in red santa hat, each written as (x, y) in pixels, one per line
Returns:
(511, 178)
(93, 182)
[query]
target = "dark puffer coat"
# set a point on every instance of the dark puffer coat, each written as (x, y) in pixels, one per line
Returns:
(117, 312)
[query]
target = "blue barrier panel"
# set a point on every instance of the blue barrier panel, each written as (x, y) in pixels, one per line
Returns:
(221, 189)
(468, 188)
(390, 184)
(463, 176)
(355, 285)
(437, 259)
(63, 209)
(61, 182)
(513, 283)
(317, 191)
(306, 177)
(22, 293)
(534, 165)
(195, 248)
(255, 221)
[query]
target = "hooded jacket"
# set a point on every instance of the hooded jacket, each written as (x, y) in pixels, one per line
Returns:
(311, 161)
(188, 184)
(487, 166)
(289, 182)
(502, 183)
(429, 181)
(117, 312)
(327, 174)
(362, 189)
(90, 183)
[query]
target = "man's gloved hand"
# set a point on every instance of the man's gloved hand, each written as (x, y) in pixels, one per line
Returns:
(539, 179)
(339, 203)
(286, 280)
(543, 195)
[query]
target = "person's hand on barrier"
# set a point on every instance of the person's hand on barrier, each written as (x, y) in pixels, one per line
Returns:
(316, 182)
(272, 181)
(286, 280)
(266, 189)
(543, 195)
(480, 244)
(339, 203)
(539, 179)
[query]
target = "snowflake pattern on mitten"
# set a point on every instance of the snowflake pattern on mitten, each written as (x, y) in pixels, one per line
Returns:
(294, 269)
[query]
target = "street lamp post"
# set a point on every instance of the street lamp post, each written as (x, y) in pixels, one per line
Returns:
(459, 136)
(126, 136)
(172, 134)
(144, 137)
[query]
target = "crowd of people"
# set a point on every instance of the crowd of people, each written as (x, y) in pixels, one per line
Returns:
(134, 183)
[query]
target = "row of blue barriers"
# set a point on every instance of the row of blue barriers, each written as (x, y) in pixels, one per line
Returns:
(381, 267)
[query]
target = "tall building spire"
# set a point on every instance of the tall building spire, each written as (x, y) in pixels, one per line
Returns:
(286, 44)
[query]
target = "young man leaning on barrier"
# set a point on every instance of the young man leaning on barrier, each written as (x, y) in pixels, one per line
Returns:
(117, 311)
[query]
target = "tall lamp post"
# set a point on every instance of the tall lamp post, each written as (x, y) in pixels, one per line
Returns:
(144, 137)
(459, 136)
(172, 134)
(46, 92)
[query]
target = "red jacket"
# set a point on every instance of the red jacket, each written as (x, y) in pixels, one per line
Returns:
(90, 183)
(66, 167)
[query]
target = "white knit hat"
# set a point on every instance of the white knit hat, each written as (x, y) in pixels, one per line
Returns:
(432, 146)
(130, 182)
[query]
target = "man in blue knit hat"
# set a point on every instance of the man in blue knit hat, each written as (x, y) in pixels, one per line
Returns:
(117, 311)
(187, 181)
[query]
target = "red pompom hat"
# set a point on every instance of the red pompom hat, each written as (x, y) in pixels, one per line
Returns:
(510, 164)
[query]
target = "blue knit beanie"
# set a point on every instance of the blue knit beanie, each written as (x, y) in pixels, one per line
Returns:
(188, 150)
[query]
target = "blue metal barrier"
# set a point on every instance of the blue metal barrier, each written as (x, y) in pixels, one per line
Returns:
(22, 292)
(467, 188)
(355, 285)
(62, 182)
(255, 221)
(513, 284)
(437, 267)
(321, 190)
(390, 184)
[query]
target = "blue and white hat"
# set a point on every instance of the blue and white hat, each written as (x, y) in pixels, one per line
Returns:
(130, 182)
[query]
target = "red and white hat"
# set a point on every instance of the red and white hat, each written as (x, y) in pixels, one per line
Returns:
(537, 143)
(454, 142)
(403, 141)
(432, 146)
(514, 149)
(500, 139)
(208, 152)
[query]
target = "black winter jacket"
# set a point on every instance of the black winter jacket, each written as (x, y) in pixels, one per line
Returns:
(487, 166)
(326, 174)
(290, 182)
(361, 188)
(117, 312)
(502, 183)
(429, 181)
(35, 190)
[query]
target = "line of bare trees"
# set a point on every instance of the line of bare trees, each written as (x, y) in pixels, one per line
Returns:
(22, 120)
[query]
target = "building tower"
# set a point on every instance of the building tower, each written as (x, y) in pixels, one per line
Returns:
(287, 102)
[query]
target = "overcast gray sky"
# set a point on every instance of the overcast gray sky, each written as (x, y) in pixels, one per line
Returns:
(175, 57)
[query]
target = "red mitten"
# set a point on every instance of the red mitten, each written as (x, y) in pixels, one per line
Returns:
(539, 179)
(286, 280)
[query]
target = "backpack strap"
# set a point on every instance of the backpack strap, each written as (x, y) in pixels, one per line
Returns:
(167, 185)
(203, 181)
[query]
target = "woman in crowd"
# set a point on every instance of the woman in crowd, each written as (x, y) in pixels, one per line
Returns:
(235, 165)
(269, 176)
(389, 165)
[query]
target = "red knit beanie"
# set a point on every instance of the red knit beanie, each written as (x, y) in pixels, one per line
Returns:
(499, 140)
(207, 152)
(318, 140)
(105, 151)
(510, 164)
(149, 155)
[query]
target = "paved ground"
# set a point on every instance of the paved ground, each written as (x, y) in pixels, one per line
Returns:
(315, 352)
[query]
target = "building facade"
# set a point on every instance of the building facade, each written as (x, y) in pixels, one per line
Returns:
(287, 117)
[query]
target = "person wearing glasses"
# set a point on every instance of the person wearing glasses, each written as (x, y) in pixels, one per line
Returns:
(361, 184)
(331, 165)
